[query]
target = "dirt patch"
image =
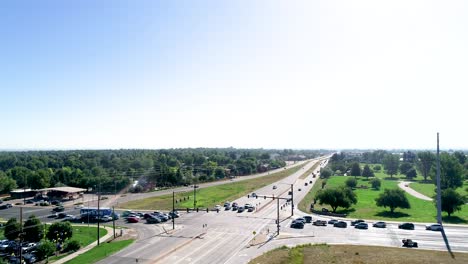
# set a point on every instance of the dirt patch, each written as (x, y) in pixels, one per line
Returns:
(128, 233)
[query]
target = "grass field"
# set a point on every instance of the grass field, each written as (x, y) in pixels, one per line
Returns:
(348, 254)
(420, 211)
(101, 252)
(428, 188)
(210, 196)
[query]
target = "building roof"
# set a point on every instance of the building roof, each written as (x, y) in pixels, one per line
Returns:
(65, 189)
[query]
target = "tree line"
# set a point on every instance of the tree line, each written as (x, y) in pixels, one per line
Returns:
(113, 170)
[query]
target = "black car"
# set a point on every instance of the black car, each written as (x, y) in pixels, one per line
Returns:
(5, 206)
(361, 225)
(407, 226)
(332, 221)
(297, 224)
(353, 223)
(153, 220)
(61, 215)
(58, 209)
(409, 243)
(240, 209)
(308, 218)
(340, 224)
(234, 208)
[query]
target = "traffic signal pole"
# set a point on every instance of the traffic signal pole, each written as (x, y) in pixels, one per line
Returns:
(292, 199)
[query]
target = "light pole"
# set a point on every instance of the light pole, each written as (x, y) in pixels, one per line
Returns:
(173, 209)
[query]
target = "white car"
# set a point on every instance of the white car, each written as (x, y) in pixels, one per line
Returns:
(434, 227)
(217, 207)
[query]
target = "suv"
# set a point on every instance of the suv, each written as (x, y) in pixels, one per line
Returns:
(308, 218)
(361, 225)
(297, 224)
(407, 226)
(434, 227)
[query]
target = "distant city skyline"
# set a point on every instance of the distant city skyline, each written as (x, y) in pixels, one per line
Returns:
(247, 74)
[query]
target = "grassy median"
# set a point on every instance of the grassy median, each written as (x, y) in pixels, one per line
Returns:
(327, 254)
(210, 196)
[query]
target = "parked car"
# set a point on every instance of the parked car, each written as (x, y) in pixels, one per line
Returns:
(434, 227)
(240, 209)
(297, 224)
(127, 213)
(308, 218)
(274, 187)
(407, 226)
(247, 205)
(153, 220)
(357, 222)
(300, 219)
(235, 204)
(235, 208)
(133, 219)
(227, 204)
(174, 214)
(227, 208)
(319, 223)
(250, 209)
(361, 225)
(28, 247)
(380, 224)
(332, 221)
(409, 243)
(341, 224)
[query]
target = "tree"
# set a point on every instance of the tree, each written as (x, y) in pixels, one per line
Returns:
(45, 249)
(72, 245)
(367, 172)
(425, 163)
(12, 229)
(391, 163)
(355, 169)
(325, 173)
(7, 184)
(375, 183)
(460, 156)
(451, 172)
(59, 231)
(451, 201)
(377, 168)
(393, 198)
(351, 182)
(410, 174)
(337, 197)
(405, 167)
(33, 230)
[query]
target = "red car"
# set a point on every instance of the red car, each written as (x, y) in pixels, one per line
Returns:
(133, 219)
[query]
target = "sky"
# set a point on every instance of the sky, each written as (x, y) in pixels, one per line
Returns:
(244, 74)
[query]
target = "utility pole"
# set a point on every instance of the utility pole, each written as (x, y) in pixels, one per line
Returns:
(113, 220)
(439, 199)
(194, 196)
(292, 199)
(21, 235)
(277, 216)
(173, 209)
(98, 211)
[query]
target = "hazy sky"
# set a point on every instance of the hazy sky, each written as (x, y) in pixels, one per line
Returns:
(247, 74)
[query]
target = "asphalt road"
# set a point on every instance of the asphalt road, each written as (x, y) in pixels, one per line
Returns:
(227, 234)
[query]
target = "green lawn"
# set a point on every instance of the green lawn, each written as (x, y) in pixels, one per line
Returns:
(87, 235)
(210, 196)
(428, 188)
(101, 252)
(421, 211)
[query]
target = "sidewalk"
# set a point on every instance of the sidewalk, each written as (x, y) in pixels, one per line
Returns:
(404, 185)
(87, 248)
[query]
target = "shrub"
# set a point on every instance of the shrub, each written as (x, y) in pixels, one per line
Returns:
(377, 168)
(72, 245)
(46, 248)
(351, 183)
(375, 183)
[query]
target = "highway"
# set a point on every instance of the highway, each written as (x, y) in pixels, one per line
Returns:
(228, 234)
(231, 237)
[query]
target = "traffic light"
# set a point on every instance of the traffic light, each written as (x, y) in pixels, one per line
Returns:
(248, 195)
(256, 196)
(264, 197)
